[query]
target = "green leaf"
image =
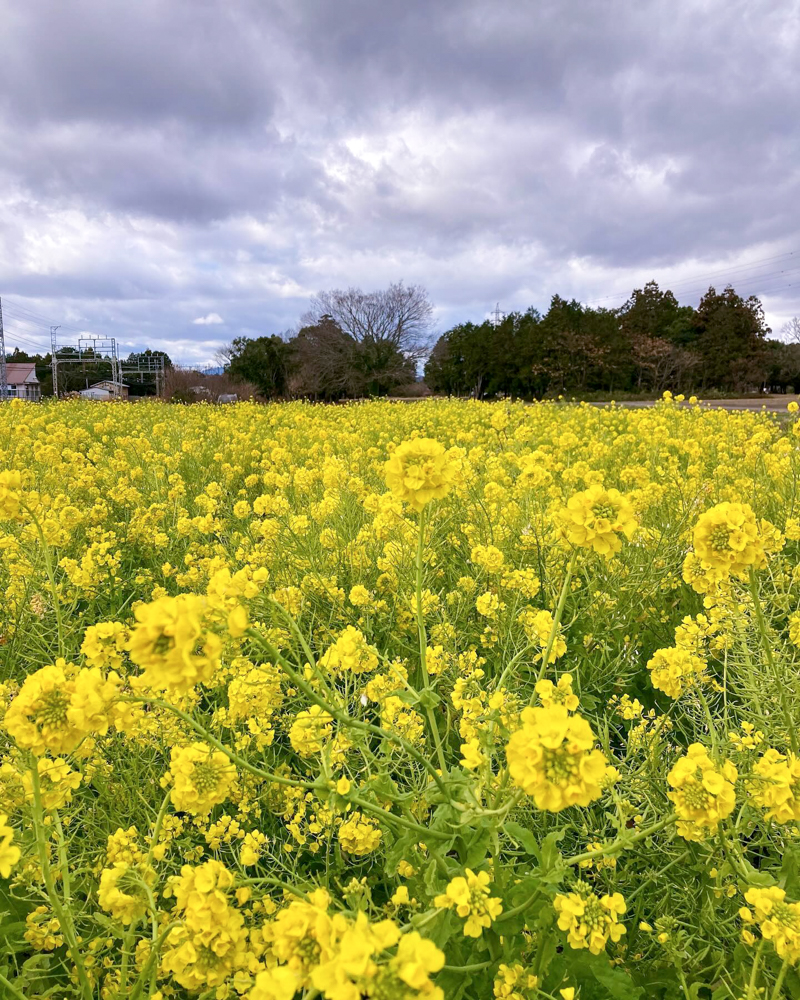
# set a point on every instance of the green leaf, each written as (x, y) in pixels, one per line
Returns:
(549, 854)
(428, 698)
(521, 836)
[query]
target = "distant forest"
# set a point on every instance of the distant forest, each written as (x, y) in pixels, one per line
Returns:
(650, 344)
(352, 344)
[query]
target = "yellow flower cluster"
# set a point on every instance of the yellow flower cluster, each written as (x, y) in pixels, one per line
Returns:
(776, 786)
(59, 705)
(596, 518)
(345, 958)
(469, 896)
(421, 470)
(350, 652)
(551, 694)
(9, 852)
(676, 670)
(10, 494)
(57, 782)
(726, 541)
(201, 778)
(310, 730)
(778, 920)
(552, 757)
(359, 835)
(704, 793)
(590, 920)
(511, 980)
(104, 644)
(165, 643)
(210, 942)
(124, 890)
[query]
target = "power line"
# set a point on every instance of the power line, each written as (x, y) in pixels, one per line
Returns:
(29, 314)
(691, 279)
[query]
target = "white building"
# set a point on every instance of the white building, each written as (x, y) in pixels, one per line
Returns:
(22, 381)
(106, 390)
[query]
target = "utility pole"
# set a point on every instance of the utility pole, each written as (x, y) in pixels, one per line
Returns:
(497, 314)
(3, 370)
(53, 360)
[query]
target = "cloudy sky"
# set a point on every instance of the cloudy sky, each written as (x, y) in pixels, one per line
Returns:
(180, 172)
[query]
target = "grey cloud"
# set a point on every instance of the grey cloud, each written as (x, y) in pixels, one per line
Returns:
(168, 159)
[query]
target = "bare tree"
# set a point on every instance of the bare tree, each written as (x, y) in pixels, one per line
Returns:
(325, 362)
(661, 363)
(399, 317)
(791, 330)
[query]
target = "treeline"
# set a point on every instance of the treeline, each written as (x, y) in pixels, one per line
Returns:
(353, 344)
(650, 344)
(350, 344)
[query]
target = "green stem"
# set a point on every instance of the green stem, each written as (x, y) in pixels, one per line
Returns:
(347, 720)
(10, 986)
(64, 918)
(230, 754)
(712, 730)
(751, 986)
(559, 612)
(162, 812)
(150, 965)
(422, 831)
(762, 628)
(51, 576)
(467, 968)
(779, 981)
(423, 643)
(127, 941)
(286, 886)
(622, 842)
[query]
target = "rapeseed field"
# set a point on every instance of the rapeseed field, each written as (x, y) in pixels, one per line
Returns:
(444, 700)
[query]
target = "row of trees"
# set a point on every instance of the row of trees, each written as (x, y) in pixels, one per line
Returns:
(354, 344)
(650, 344)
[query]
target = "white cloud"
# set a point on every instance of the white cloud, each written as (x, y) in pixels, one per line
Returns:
(208, 320)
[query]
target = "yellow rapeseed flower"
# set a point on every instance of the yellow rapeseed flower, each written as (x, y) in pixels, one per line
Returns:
(421, 470)
(552, 757)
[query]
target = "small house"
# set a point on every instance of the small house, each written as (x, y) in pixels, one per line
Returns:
(106, 390)
(22, 381)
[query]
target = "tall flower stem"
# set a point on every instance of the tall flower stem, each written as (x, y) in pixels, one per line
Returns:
(423, 643)
(791, 726)
(562, 599)
(63, 915)
(51, 578)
